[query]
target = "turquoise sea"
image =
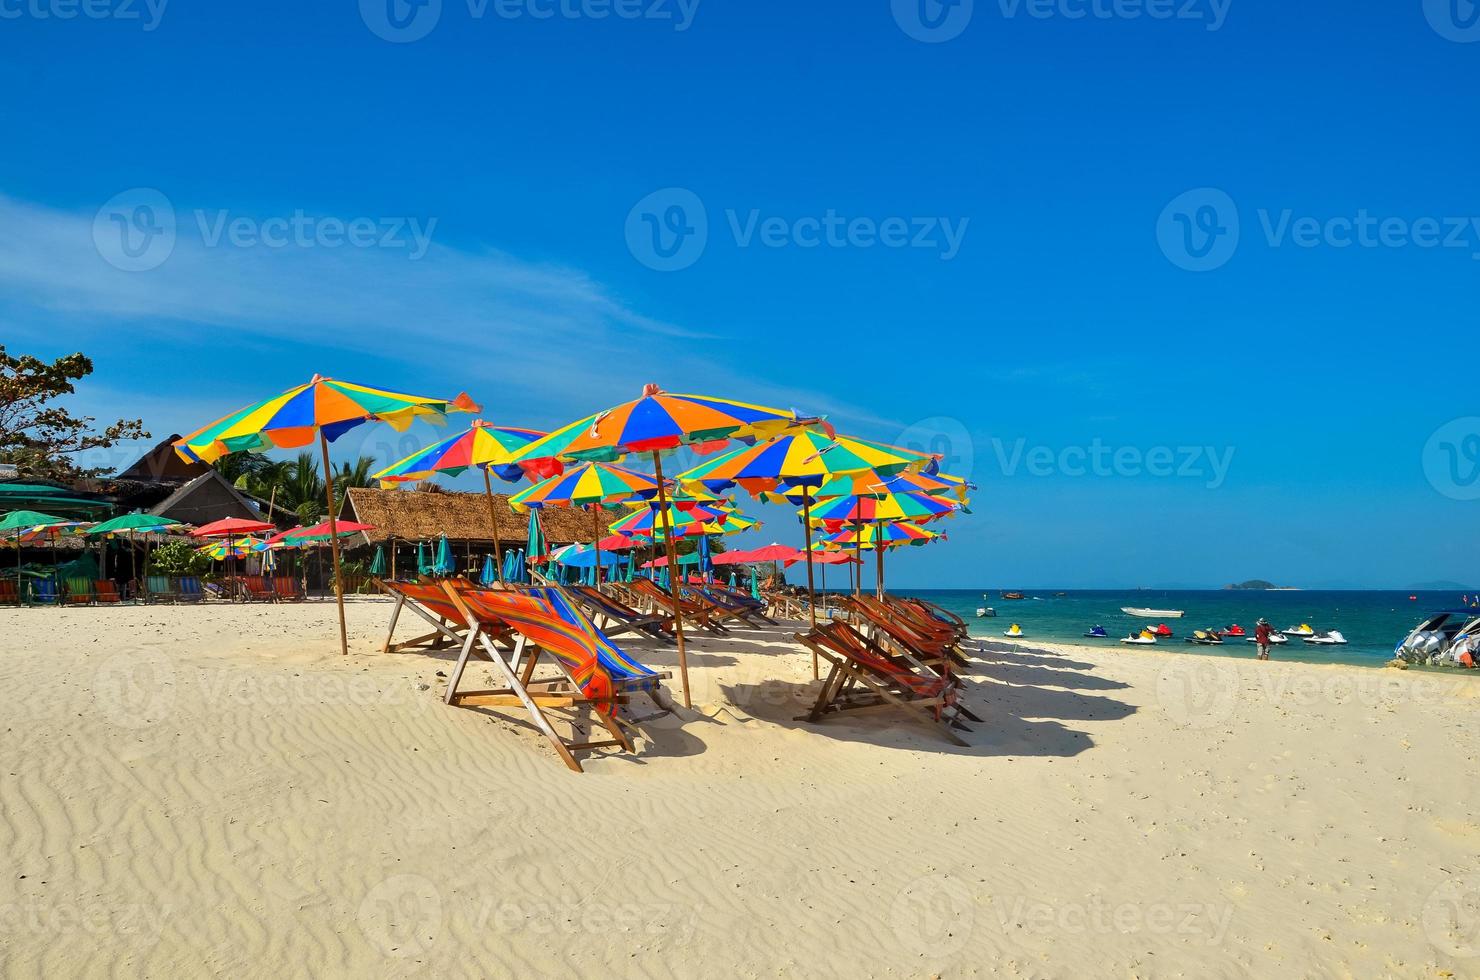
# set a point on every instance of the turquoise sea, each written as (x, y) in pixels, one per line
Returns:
(1373, 622)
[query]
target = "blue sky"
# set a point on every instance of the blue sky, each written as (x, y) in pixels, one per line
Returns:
(1060, 178)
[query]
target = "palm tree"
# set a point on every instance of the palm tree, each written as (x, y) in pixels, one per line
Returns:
(347, 475)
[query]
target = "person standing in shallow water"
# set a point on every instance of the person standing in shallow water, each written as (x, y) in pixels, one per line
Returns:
(1261, 638)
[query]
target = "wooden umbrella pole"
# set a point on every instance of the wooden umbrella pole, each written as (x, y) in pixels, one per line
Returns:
(596, 530)
(498, 555)
(683, 656)
(334, 544)
(879, 558)
(811, 594)
(858, 556)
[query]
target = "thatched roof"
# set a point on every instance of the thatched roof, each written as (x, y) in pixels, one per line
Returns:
(415, 515)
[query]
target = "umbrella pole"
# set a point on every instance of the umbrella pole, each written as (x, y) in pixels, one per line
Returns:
(334, 543)
(683, 656)
(858, 555)
(879, 557)
(811, 595)
(133, 562)
(498, 555)
(595, 529)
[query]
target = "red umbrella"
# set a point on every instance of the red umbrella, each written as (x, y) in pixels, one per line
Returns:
(778, 552)
(231, 527)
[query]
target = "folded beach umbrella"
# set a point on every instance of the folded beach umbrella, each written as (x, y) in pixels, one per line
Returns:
(322, 409)
(489, 575)
(485, 446)
(377, 564)
(655, 423)
(423, 564)
(444, 564)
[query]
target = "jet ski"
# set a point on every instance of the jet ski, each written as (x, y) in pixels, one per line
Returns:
(1275, 638)
(1331, 638)
(1098, 633)
(1145, 638)
(1013, 630)
(1163, 631)
(1207, 638)
(1235, 630)
(985, 612)
(1304, 629)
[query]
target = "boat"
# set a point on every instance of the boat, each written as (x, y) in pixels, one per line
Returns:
(985, 612)
(1304, 629)
(1144, 638)
(1013, 595)
(1013, 631)
(1153, 613)
(1060, 595)
(1275, 638)
(1235, 630)
(1163, 631)
(1098, 633)
(1330, 638)
(1207, 638)
(1447, 638)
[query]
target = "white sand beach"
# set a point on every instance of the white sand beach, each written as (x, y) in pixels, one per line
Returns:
(216, 791)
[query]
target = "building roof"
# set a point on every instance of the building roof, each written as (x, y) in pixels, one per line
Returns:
(163, 465)
(415, 515)
(204, 499)
(50, 498)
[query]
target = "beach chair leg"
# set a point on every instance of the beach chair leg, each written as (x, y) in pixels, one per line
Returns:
(462, 663)
(391, 630)
(540, 720)
(828, 692)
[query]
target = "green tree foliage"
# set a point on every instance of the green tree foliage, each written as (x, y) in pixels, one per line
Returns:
(294, 485)
(41, 437)
(178, 558)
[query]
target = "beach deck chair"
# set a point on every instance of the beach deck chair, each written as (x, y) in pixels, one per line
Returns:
(934, 647)
(254, 588)
(704, 616)
(157, 588)
(43, 591)
(9, 594)
(739, 607)
(106, 592)
(582, 682)
(430, 602)
(79, 592)
(865, 675)
(190, 589)
(286, 589)
(615, 617)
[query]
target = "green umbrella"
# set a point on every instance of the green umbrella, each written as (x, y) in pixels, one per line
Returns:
(377, 564)
(131, 524)
(423, 567)
(444, 564)
(20, 522)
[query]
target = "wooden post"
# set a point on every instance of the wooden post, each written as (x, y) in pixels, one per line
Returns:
(334, 543)
(498, 555)
(683, 656)
(879, 557)
(811, 594)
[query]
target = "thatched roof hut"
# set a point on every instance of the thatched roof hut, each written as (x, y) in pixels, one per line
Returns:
(417, 515)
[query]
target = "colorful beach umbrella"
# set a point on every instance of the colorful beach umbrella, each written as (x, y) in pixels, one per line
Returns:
(18, 523)
(485, 446)
(132, 524)
(869, 484)
(655, 423)
(917, 507)
(224, 548)
(322, 409)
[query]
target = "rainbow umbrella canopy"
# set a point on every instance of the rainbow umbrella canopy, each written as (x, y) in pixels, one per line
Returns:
(870, 484)
(322, 409)
(649, 523)
(484, 445)
(918, 507)
(879, 538)
(655, 423)
(590, 485)
(801, 463)
(223, 548)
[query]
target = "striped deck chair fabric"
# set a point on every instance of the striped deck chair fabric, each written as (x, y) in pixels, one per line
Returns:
(79, 591)
(9, 594)
(190, 589)
(625, 669)
(158, 588)
(43, 590)
(105, 591)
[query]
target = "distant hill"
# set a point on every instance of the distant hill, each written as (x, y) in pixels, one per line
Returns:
(1441, 586)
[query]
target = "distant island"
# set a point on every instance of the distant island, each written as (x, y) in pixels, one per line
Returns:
(1259, 585)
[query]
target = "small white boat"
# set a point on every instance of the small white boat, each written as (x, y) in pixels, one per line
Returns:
(985, 612)
(1304, 629)
(1275, 638)
(1152, 613)
(1331, 638)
